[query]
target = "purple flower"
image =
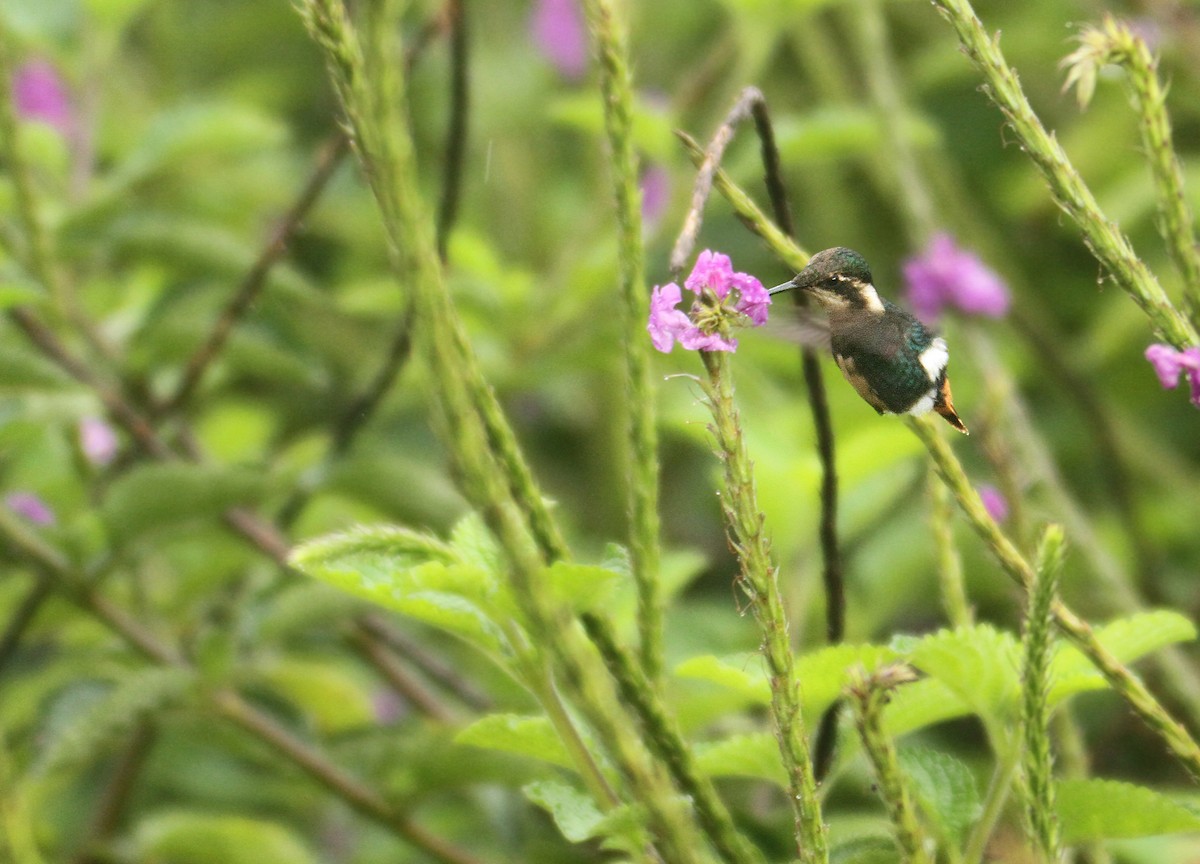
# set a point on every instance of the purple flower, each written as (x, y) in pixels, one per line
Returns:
(97, 440)
(559, 33)
(714, 283)
(994, 502)
(945, 275)
(39, 94)
(31, 507)
(1169, 364)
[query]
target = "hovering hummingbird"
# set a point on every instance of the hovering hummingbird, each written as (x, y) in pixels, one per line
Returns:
(894, 363)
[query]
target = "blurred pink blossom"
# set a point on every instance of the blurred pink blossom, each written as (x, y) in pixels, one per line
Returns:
(97, 440)
(994, 502)
(945, 275)
(1169, 364)
(40, 94)
(30, 506)
(559, 33)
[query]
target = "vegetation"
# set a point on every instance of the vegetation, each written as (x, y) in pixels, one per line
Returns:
(350, 513)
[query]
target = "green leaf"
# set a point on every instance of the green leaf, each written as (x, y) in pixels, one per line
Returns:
(864, 850)
(1128, 639)
(742, 674)
(755, 755)
(822, 673)
(156, 496)
(324, 691)
(515, 733)
(1108, 810)
(199, 838)
(842, 131)
(576, 816)
(584, 587)
(86, 722)
(922, 703)
(474, 544)
(945, 788)
(415, 574)
(978, 664)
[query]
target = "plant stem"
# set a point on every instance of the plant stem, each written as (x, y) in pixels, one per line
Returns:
(640, 425)
(993, 806)
(759, 581)
(1076, 629)
(1102, 236)
(868, 696)
(950, 573)
(1036, 680)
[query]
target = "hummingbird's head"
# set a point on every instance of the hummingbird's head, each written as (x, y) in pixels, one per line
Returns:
(838, 279)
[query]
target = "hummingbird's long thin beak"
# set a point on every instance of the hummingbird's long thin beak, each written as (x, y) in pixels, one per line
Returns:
(780, 288)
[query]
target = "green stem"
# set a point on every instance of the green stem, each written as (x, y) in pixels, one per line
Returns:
(640, 423)
(667, 743)
(1035, 688)
(1119, 676)
(950, 573)
(993, 806)
(1150, 100)
(16, 817)
(1102, 236)
(868, 695)
(759, 581)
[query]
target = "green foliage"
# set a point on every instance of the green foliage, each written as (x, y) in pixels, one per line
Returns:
(1110, 810)
(395, 698)
(194, 838)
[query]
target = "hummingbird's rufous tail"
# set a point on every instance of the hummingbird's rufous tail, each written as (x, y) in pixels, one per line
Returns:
(944, 405)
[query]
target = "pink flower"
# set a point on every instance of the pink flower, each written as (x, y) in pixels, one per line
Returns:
(1169, 364)
(97, 440)
(31, 507)
(945, 275)
(559, 34)
(712, 280)
(994, 502)
(39, 94)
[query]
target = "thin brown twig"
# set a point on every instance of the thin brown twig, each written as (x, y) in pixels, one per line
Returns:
(404, 682)
(329, 157)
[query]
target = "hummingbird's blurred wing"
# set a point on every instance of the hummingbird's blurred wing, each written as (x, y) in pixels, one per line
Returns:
(801, 326)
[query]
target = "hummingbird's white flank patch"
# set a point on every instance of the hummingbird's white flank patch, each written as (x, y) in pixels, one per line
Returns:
(934, 358)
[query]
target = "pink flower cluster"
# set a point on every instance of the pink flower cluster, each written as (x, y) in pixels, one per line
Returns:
(946, 275)
(714, 275)
(1169, 364)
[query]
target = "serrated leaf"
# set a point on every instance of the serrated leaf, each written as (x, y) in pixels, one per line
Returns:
(156, 496)
(322, 690)
(1109, 810)
(979, 664)
(1127, 638)
(822, 673)
(754, 755)
(200, 838)
(574, 813)
(922, 703)
(415, 574)
(515, 733)
(944, 788)
(474, 544)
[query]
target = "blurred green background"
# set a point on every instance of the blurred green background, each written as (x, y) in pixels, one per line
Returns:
(196, 124)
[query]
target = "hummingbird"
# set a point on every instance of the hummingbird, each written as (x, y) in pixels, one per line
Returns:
(886, 354)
